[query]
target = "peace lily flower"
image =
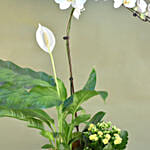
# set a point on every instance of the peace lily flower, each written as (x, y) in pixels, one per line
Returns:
(77, 4)
(45, 39)
(126, 3)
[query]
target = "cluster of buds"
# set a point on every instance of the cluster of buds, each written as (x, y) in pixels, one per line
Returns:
(139, 8)
(103, 133)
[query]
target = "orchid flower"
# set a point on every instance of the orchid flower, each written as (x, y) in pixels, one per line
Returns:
(77, 4)
(141, 6)
(126, 3)
(148, 13)
(45, 39)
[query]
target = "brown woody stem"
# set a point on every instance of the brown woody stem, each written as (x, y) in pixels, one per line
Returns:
(67, 38)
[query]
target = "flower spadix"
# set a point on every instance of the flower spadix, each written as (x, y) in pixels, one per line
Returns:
(126, 3)
(45, 39)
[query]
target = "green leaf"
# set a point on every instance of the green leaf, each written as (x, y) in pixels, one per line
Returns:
(46, 96)
(124, 136)
(35, 123)
(103, 94)
(81, 119)
(40, 114)
(81, 109)
(62, 90)
(79, 98)
(108, 147)
(23, 77)
(47, 134)
(95, 119)
(67, 102)
(46, 146)
(65, 130)
(22, 115)
(91, 83)
(36, 98)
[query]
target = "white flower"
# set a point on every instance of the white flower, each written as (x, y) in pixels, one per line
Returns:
(126, 3)
(45, 39)
(148, 13)
(141, 6)
(77, 4)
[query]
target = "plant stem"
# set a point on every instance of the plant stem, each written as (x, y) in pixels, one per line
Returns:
(67, 38)
(137, 14)
(59, 109)
(54, 71)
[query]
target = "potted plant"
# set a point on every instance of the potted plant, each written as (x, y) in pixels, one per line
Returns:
(25, 94)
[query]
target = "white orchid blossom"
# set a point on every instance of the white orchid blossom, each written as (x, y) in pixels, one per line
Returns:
(141, 6)
(148, 13)
(45, 39)
(77, 4)
(126, 3)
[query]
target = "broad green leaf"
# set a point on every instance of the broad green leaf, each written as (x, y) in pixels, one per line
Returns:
(91, 83)
(40, 114)
(62, 90)
(22, 115)
(81, 119)
(95, 119)
(47, 134)
(23, 77)
(65, 130)
(36, 98)
(25, 114)
(35, 123)
(79, 98)
(67, 102)
(47, 146)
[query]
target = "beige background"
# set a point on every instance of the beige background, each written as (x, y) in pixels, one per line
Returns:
(109, 39)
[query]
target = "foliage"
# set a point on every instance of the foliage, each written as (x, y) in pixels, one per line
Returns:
(24, 94)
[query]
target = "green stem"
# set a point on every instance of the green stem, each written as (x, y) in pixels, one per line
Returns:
(69, 22)
(54, 71)
(71, 129)
(59, 109)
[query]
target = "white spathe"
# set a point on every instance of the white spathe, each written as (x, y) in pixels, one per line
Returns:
(77, 4)
(126, 3)
(141, 6)
(45, 39)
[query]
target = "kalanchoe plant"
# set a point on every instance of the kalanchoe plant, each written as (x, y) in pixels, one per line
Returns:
(104, 136)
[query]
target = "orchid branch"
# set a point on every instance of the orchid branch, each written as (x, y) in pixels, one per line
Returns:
(137, 14)
(67, 38)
